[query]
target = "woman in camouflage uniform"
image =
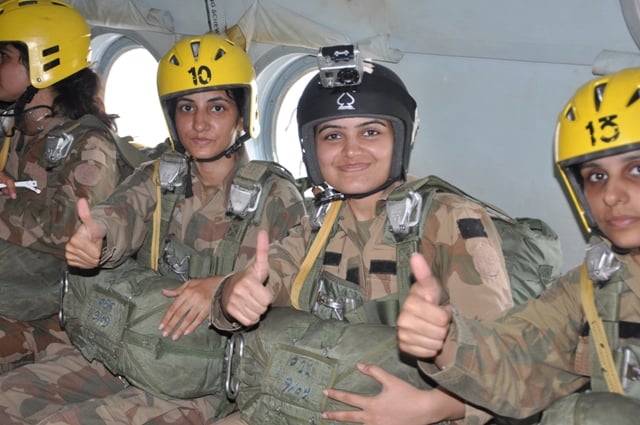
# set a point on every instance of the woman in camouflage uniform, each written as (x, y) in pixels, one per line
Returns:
(583, 332)
(358, 140)
(208, 93)
(46, 87)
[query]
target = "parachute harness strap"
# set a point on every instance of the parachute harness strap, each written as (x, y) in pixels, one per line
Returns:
(155, 235)
(318, 243)
(600, 338)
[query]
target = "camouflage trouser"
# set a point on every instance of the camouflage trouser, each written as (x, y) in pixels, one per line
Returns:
(594, 408)
(23, 342)
(64, 388)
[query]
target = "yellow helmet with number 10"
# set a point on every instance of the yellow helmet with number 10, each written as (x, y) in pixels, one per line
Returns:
(56, 35)
(601, 119)
(208, 62)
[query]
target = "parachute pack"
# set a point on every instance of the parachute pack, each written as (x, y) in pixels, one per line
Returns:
(113, 315)
(293, 355)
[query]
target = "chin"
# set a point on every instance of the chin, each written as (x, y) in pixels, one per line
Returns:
(626, 240)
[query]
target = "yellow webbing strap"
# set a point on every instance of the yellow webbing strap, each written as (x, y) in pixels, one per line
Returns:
(157, 215)
(599, 336)
(4, 153)
(314, 251)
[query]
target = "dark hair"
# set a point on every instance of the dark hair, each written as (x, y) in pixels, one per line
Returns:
(77, 95)
(80, 94)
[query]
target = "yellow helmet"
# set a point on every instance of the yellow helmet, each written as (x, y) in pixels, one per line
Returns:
(56, 36)
(602, 119)
(208, 62)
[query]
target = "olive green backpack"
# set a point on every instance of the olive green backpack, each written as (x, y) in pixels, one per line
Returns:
(279, 369)
(113, 315)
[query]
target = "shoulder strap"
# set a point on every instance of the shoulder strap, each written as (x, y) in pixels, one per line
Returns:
(4, 151)
(314, 254)
(408, 206)
(599, 335)
(165, 203)
(247, 197)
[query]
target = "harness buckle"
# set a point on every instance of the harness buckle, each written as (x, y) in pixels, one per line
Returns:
(64, 288)
(57, 147)
(179, 266)
(630, 372)
(172, 168)
(234, 348)
(243, 199)
(403, 214)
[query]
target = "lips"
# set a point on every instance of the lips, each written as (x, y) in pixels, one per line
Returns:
(353, 168)
(621, 221)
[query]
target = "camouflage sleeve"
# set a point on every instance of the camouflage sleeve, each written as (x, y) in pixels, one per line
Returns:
(522, 361)
(284, 208)
(127, 214)
(285, 259)
(45, 221)
(463, 246)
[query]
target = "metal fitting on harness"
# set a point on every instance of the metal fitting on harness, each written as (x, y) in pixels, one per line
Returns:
(321, 203)
(243, 200)
(339, 305)
(57, 147)
(630, 372)
(172, 169)
(64, 288)
(234, 348)
(403, 214)
(178, 265)
(601, 262)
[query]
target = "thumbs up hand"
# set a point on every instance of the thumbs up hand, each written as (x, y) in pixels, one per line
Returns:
(85, 246)
(244, 296)
(423, 324)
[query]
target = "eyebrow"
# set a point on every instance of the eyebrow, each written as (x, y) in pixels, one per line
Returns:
(362, 124)
(211, 99)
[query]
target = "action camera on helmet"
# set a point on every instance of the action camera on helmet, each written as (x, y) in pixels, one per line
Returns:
(340, 66)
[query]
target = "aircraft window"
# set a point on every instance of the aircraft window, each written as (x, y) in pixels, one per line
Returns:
(280, 83)
(129, 71)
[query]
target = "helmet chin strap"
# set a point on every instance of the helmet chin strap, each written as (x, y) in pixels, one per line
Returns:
(226, 153)
(371, 192)
(615, 248)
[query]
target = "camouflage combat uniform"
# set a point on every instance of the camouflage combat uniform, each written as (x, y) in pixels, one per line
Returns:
(470, 264)
(33, 231)
(64, 387)
(533, 355)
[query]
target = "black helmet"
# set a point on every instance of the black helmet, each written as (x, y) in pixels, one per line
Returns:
(381, 93)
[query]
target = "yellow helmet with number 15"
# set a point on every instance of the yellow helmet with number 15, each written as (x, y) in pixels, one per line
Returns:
(601, 119)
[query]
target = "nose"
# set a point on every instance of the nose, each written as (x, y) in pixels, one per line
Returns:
(615, 193)
(351, 145)
(200, 120)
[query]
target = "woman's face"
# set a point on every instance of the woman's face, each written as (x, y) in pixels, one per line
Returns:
(207, 122)
(612, 190)
(354, 154)
(14, 77)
